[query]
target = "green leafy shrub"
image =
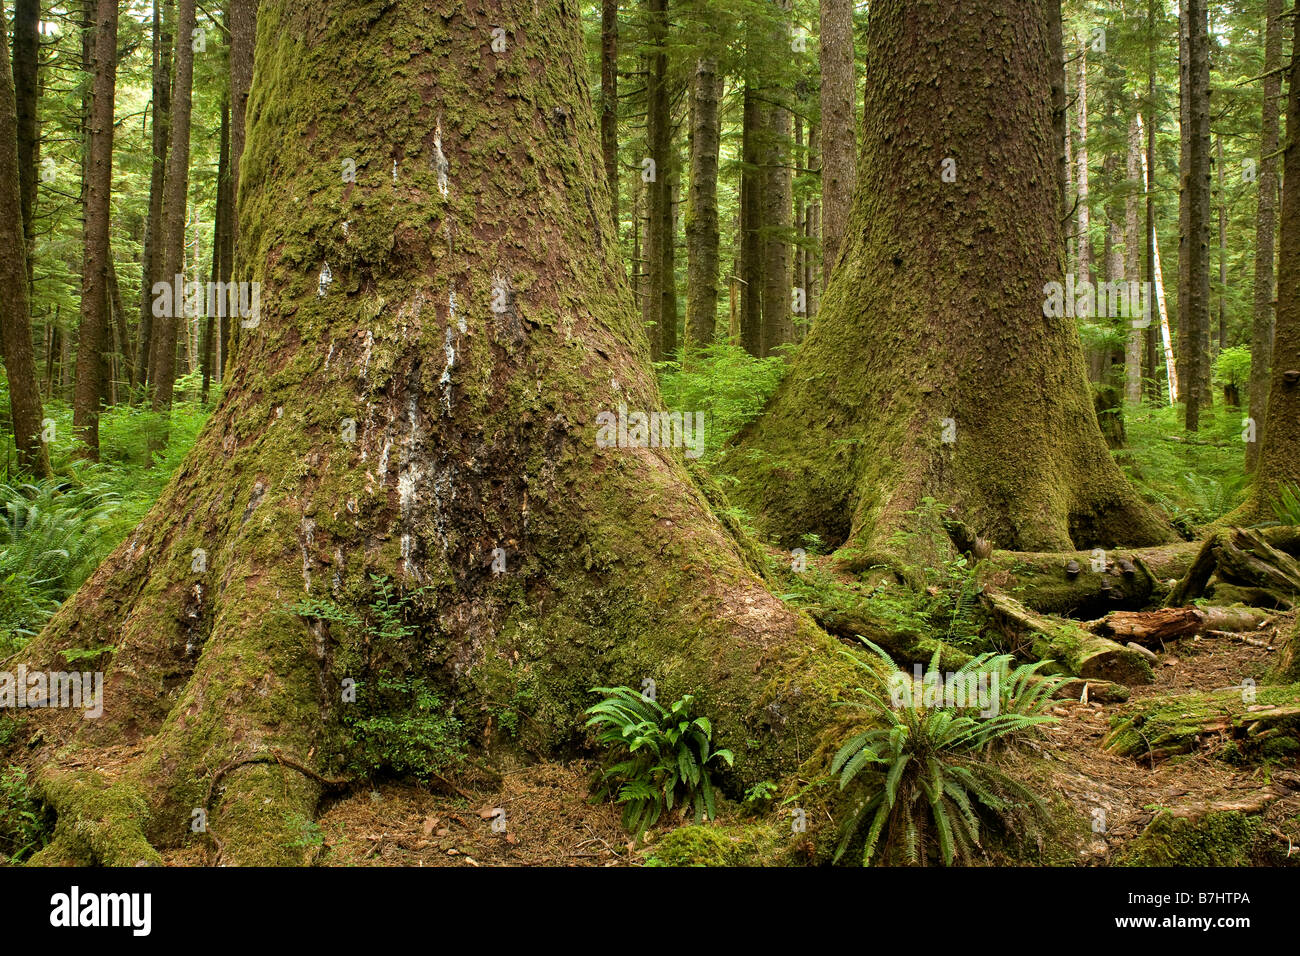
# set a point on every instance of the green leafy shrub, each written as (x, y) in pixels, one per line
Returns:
(726, 383)
(1232, 367)
(24, 826)
(658, 759)
(923, 778)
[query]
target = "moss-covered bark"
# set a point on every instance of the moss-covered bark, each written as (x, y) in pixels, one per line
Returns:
(433, 402)
(933, 370)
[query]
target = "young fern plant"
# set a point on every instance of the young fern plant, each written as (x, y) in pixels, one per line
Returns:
(923, 777)
(658, 759)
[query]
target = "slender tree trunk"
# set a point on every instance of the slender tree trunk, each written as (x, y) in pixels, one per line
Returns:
(1261, 339)
(208, 350)
(15, 316)
(222, 686)
(1158, 287)
(609, 99)
(1197, 243)
(1148, 176)
(702, 218)
(152, 263)
(662, 305)
(175, 216)
(777, 211)
(839, 141)
(978, 399)
(1223, 245)
(1136, 330)
(751, 191)
(93, 331)
(1084, 213)
(26, 76)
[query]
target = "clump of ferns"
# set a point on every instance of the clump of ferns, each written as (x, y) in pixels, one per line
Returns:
(658, 758)
(922, 775)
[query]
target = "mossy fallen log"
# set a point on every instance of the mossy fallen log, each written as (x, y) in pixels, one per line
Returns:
(1260, 559)
(1153, 628)
(1235, 723)
(1074, 650)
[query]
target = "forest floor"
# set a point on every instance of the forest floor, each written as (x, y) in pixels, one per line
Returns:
(1131, 792)
(550, 820)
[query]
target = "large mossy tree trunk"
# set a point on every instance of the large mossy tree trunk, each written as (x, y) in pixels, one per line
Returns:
(429, 409)
(933, 371)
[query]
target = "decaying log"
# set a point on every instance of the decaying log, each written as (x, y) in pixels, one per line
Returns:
(1152, 628)
(1160, 727)
(1074, 649)
(1253, 558)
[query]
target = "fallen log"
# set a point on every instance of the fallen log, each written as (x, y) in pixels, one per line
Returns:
(1246, 720)
(1254, 558)
(1151, 628)
(1074, 650)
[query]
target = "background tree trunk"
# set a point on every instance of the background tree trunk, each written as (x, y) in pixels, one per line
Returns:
(702, 218)
(1136, 333)
(751, 191)
(1261, 339)
(26, 76)
(152, 263)
(609, 99)
(924, 390)
(15, 317)
(175, 216)
(1194, 260)
(839, 124)
(93, 331)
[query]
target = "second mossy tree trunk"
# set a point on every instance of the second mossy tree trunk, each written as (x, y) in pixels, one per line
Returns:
(443, 321)
(938, 368)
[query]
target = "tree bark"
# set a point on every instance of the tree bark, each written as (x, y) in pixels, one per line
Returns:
(1083, 211)
(1195, 321)
(1261, 340)
(1136, 332)
(609, 99)
(777, 217)
(15, 317)
(152, 265)
(839, 125)
(1279, 455)
(924, 391)
(751, 191)
(175, 214)
(26, 78)
(93, 329)
(660, 252)
(702, 218)
(467, 438)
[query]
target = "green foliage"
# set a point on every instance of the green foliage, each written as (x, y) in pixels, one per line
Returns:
(1287, 505)
(24, 827)
(923, 778)
(55, 531)
(1194, 479)
(399, 723)
(725, 382)
(1232, 366)
(658, 759)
